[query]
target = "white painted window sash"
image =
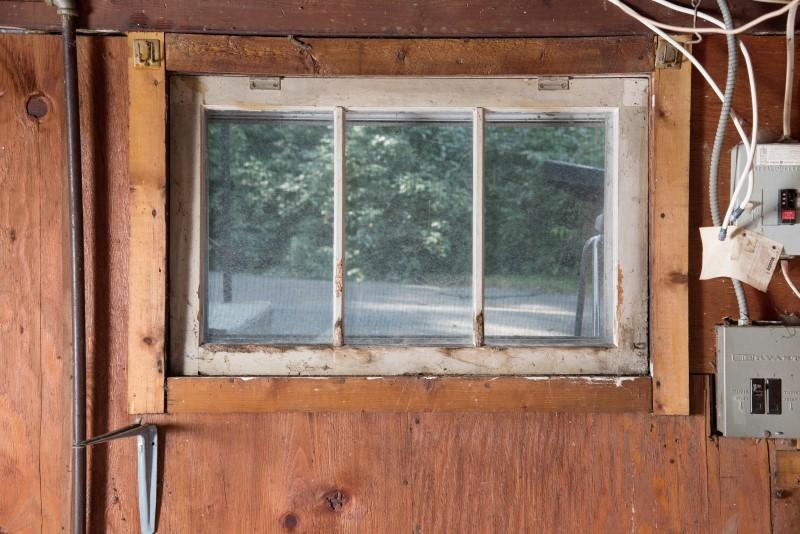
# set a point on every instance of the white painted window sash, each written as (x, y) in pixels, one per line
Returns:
(339, 213)
(477, 226)
(621, 100)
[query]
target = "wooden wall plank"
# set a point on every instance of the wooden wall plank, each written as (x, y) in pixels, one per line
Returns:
(337, 473)
(391, 394)
(407, 57)
(368, 18)
(34, 321)
(148, 234)
(506, 472)
(669, 239)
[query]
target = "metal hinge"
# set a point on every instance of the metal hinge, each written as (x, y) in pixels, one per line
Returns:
(147, 53)
(667, 56)
(553, 83)
(266, 84)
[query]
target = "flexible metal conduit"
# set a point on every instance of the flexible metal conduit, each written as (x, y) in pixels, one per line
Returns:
(68, 11)
(716, 152)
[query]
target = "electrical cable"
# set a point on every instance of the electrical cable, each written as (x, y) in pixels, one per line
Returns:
(716, 152)
(724, 31)
(785, 272)
(733, 212)
(787, 94)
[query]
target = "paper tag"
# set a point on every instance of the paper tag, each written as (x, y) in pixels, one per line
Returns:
(744, 255)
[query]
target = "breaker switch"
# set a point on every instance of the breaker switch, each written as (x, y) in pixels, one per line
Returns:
(757, 395)
(774, 396)
(787, 207)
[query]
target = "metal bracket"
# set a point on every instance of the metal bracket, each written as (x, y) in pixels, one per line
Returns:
(147, 467)
(667, 56)
(553, 83)
(266, 84)
(146, 53)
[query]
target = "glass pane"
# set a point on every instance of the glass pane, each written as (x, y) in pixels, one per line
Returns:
(270, 231)
(409, 246)
(544, 191)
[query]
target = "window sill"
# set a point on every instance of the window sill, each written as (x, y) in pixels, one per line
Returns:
(408, 394)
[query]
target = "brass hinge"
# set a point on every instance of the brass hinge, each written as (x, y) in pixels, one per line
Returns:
(147, 53)
(667, 56)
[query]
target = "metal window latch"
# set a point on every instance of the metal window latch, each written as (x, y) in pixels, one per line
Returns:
(147, 467)
(147, 53)
(553, 83)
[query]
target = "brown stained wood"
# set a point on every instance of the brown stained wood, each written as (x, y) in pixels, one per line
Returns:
(534, 473)
(669, 240)
(407, 57)
(744, 493)
(34, 315)
(278, 473)
(713, 300)
(367, 18)
(103, 64)
(148, 234)
(784, 459)
(407, 394)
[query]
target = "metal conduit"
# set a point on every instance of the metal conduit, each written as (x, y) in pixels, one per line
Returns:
(68, 11)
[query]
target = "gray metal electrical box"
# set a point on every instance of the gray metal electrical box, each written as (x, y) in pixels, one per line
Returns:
(758, 381)
(776, 181)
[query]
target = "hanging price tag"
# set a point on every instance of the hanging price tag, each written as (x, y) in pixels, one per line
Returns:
(744, 255)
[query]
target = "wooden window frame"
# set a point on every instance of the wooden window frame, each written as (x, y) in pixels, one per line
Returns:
(150, 392)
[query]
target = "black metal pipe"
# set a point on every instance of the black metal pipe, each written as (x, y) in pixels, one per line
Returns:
(73, 125)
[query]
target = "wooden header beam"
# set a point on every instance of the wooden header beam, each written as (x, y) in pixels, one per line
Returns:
(268, 56)
(366, 18)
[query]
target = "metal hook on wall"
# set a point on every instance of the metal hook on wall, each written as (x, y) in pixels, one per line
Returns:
(146, 467)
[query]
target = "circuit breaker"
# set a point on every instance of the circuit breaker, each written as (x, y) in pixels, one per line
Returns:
(776, 181)
(758, 381)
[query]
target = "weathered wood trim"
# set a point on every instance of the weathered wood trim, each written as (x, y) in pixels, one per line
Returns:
(409, 394)
(148, 233)
(669, 240)
(214, 54)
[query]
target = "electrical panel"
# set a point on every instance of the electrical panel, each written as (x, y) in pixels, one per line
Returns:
(758, 381)
(776, 181)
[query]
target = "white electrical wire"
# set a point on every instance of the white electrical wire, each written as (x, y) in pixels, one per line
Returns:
(688, 29)
(785, 272)
(655, 27)
(787, 94)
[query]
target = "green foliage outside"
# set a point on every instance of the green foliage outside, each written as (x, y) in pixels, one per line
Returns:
(409, 201)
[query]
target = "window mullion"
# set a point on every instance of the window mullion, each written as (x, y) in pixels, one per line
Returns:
(338, 224)
(477, 226)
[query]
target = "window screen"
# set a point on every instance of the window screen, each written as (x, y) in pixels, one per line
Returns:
(409, 241)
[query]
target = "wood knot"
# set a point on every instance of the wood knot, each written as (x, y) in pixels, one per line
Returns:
(37, 107)
(290, 521)
(147, 340)
(335, 500)
(678, 278)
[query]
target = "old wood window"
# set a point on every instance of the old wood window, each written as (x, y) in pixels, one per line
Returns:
(376, 226)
